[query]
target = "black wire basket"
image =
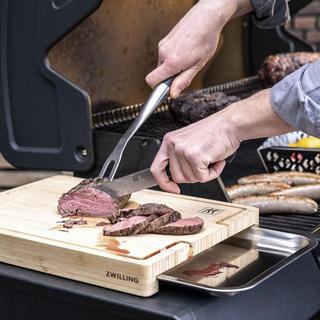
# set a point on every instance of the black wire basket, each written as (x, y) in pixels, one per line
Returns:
(279, 158)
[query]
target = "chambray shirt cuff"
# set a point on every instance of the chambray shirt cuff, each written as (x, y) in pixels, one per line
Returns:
(296, 99)
(270, 13)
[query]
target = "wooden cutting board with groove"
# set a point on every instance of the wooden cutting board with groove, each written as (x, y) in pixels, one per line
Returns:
(32, 236)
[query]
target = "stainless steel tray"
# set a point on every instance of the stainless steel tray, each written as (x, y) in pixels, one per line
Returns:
(243, 262)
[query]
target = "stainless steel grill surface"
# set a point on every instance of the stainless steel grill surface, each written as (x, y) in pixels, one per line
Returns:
(304, 225)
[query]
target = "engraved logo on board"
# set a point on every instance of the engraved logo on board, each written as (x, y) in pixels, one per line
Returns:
(210, 210)
(120, 276)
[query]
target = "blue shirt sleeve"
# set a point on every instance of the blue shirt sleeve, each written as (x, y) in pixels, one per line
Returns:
(296, 99)
(270, 13)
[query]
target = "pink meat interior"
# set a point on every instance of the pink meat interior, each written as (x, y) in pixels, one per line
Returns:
(87, 200)
(127, 223)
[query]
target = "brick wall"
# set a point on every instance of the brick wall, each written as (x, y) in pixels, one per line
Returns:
(306, 23)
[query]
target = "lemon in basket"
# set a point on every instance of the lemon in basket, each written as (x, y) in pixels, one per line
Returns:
(308, 142)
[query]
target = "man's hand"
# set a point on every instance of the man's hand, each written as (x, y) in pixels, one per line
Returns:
(193, 41)
(196, 153)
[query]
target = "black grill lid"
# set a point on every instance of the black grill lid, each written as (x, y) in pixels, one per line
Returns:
(45, 120)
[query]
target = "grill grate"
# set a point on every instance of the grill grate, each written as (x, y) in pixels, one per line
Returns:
(123, 114)
(304, 225)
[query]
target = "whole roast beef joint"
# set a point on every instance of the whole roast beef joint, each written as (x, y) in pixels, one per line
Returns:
(87, 200)
(276, 67)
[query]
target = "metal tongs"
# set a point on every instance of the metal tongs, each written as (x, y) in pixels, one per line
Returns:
(158, 95)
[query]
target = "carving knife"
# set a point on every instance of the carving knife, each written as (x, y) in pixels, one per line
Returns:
(143, 180)
(128, 184)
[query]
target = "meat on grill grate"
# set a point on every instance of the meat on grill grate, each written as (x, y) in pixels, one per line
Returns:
(195, 106)
(276, 67)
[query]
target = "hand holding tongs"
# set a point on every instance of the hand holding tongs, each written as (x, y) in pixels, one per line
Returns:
(158, 95)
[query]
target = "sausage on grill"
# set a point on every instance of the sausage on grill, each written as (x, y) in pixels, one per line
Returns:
(255, 189)
(311, 191)
(280, 204)
(289, 177)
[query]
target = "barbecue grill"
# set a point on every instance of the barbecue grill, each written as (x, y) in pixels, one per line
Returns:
(41, 131)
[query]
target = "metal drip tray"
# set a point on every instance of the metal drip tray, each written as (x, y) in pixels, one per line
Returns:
(239, 263)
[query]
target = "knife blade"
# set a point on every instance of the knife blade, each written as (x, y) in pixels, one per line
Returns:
(128, 184)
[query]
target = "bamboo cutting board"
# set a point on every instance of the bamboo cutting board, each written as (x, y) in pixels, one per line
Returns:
(32, 236)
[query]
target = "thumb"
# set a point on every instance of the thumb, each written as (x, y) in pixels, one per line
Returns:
(215, 169)
(182, 81)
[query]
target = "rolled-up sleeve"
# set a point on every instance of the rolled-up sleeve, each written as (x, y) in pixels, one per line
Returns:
(270, 13)
(296, 99)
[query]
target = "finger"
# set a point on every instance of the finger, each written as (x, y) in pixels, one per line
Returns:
(216, 169)
(182, 81)
(176, 170)
(161, 73)
(188, 172)
(158, 170)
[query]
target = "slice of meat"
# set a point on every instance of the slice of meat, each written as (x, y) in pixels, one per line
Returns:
(102, 224)
(162, 221)
(255, 189)
(181, 227)
(194, 106)
(280, 204)
(311, 191)
(126, 227)
(86, 200)
(289, 177)
(150, 208)
(70, 223)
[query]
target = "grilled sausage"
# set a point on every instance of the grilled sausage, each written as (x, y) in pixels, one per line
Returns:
(290, 177)
(255, 189)
(280, 204)
(311, 191)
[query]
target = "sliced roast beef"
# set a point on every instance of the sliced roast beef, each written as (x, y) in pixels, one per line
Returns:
(148, 209)
(181, 227)
(162, 221)
(86, 200)
(126, 227)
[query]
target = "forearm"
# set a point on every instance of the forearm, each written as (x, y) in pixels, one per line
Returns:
(254, 118)
(228, 9)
